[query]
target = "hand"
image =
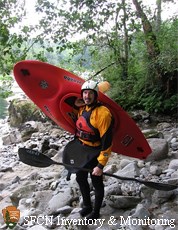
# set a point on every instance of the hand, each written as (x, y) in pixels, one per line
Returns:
(79, 102)
(97, 171)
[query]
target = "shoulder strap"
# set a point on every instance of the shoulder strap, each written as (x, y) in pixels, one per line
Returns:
(87, 117)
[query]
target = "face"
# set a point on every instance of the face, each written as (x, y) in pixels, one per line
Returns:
(88, 96)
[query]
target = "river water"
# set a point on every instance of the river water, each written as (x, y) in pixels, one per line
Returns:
(4, 103)
(3, 108)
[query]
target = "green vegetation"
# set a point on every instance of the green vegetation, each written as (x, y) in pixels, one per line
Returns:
(122, 42)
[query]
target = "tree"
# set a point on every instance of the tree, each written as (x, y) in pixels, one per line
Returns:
(11, 13)
(150, 38)
(102, 25)
(157, 70)
(13, 46)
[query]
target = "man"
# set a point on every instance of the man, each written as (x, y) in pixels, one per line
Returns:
(94, 129)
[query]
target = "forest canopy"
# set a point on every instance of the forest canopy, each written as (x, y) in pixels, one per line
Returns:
(122, 41)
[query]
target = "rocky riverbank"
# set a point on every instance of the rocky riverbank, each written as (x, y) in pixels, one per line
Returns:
(46, 200)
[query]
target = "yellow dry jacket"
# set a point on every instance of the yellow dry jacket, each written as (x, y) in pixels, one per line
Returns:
(101, 120)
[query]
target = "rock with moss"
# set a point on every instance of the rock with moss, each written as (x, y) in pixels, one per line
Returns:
(152, 133)
(21, 110)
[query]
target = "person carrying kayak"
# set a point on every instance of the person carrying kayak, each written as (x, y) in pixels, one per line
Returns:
(94, 129)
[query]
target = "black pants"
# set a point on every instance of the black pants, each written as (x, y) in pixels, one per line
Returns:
(97, 181)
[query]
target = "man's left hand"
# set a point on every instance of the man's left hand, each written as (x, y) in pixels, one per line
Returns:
(97, 171)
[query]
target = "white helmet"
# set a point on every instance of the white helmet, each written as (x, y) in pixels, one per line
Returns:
(90, 85)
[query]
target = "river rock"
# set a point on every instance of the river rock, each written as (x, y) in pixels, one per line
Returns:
(159, 148)
(174, 145)
(160, 197)
(37, 227)
(152, 133)
(141, 212)
(124, 162)
(11, 138)
(114, 189)
(155, 170)
(64, 210)
(173, 164)
(175, 175)
(164, 126)
(59, 200)
(122, 202)
(130, 170)
(21, 110)
(140, 115)
(21, 192)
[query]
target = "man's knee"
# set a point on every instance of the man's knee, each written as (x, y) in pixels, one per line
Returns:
(97, 182)
(81, 177)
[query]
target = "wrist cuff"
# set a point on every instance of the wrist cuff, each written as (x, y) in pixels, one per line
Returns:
(100, 166)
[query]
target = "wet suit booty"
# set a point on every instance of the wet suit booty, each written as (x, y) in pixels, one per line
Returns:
(85, 211)
(93, 215)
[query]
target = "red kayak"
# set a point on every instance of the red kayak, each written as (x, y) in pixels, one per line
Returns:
(54, 91)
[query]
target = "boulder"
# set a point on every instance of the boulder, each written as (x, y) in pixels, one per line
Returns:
(159, 148)
(22, 110)
(123, 202)
(59, 200)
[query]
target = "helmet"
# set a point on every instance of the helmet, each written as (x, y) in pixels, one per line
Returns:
(90, 85)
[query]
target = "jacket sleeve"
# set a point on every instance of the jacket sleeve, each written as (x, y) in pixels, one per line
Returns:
(105, 125)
